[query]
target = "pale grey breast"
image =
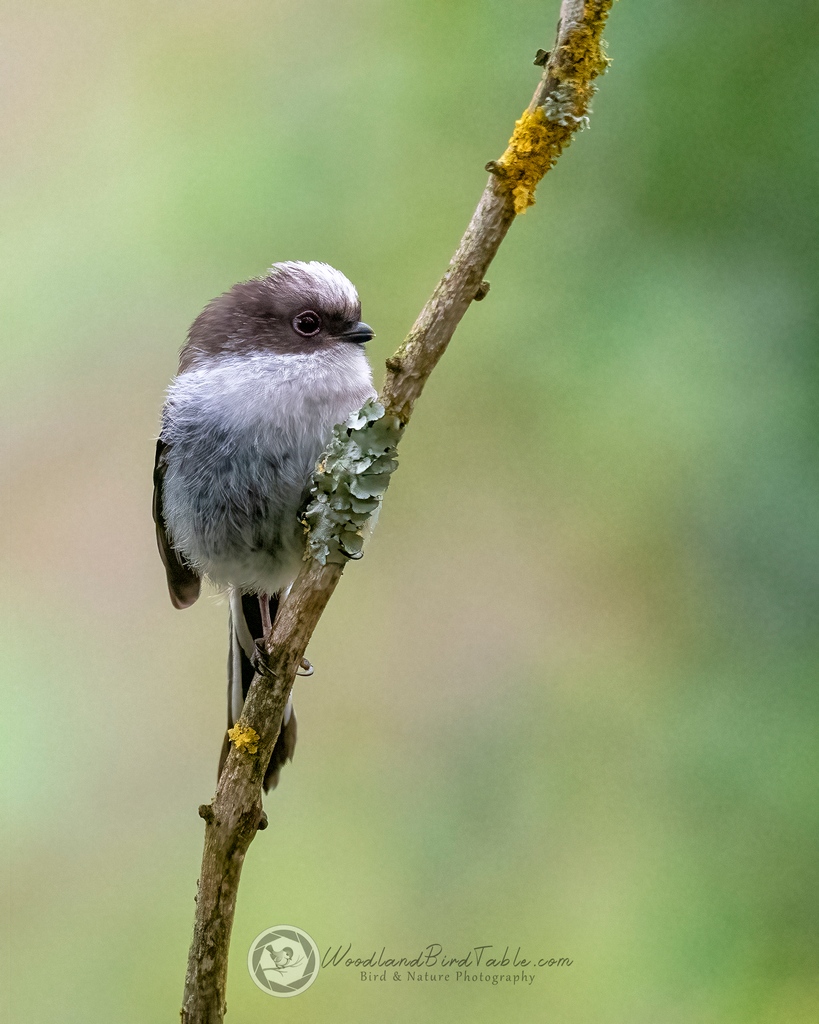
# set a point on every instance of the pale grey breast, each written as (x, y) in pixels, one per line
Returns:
(243, 436)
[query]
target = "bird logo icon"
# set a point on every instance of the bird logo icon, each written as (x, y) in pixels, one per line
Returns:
(283, 961)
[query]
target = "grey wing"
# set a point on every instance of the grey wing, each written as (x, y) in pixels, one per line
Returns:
(183, 582)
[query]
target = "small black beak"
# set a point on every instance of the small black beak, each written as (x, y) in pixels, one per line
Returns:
(359, 332)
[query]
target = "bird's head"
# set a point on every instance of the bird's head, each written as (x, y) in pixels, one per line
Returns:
(295, 308)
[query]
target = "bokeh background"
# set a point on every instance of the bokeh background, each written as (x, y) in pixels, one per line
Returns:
(568, 700)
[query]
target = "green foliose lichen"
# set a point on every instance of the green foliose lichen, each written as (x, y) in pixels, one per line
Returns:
(349, 483)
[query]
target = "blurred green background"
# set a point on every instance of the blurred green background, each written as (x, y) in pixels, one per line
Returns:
(568, 700)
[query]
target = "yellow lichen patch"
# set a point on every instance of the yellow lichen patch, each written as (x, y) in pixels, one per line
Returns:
(535, 145)
(582, 57)
(244, 738)
(541, 134)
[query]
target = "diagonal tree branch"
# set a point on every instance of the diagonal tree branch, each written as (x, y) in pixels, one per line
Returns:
(559, 107)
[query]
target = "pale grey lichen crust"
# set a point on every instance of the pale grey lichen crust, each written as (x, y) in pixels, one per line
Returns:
(559, 106)
(349, 483)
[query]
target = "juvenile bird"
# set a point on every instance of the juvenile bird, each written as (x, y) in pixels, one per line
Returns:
(268, 369)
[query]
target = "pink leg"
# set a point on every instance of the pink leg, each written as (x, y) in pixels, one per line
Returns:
(264, 608)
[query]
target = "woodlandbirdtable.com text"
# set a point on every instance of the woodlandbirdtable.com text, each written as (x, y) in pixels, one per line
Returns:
(484, 964)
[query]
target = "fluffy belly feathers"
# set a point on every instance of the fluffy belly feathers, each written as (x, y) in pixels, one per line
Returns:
(243, 438)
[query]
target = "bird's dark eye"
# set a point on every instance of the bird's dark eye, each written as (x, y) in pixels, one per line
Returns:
(307, 323)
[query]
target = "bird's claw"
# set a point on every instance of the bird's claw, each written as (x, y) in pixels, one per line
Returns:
(261, 659)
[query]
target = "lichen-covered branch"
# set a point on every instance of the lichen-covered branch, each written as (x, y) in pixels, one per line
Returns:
(353, 475)
(576, 58)
(561, 104)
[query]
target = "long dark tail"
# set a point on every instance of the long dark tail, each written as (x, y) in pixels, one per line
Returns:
(245, 629)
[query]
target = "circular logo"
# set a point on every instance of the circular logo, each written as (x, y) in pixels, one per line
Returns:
(283, 960)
